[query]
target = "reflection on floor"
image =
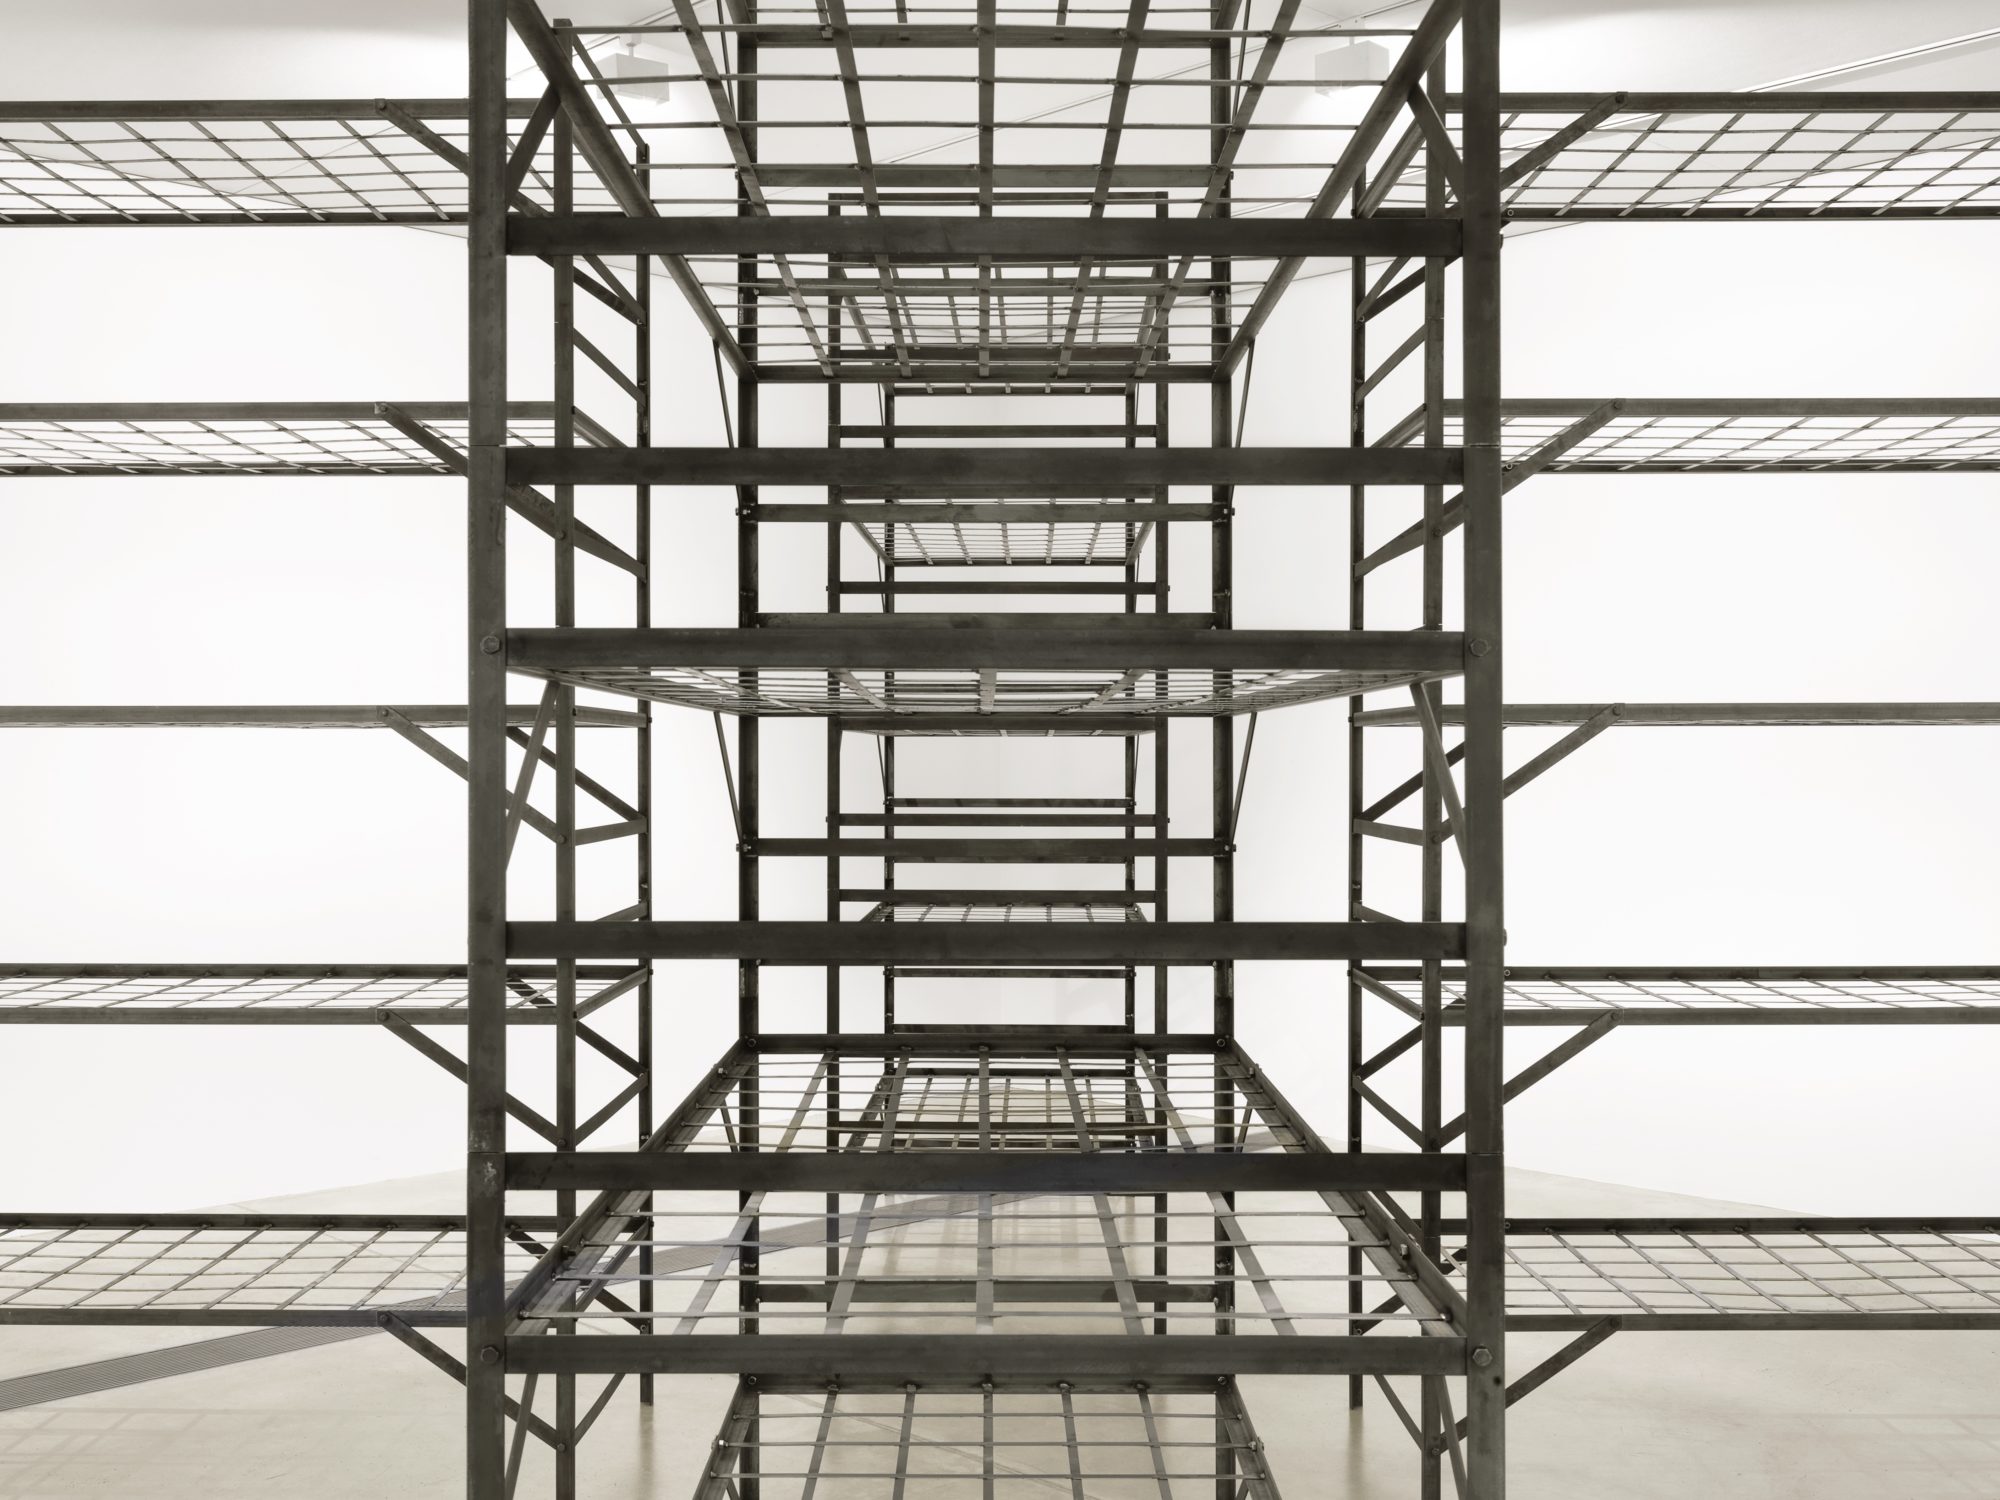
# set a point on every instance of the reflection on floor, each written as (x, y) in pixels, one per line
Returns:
(1833, 1416)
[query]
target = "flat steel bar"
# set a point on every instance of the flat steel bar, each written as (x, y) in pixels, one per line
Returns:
(982, 473)
(859, 943)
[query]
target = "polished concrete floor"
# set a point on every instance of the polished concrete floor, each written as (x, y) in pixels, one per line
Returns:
(1896, 1416)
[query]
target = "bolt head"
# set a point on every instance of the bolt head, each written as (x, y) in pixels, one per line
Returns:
(1482, 1356)
(490, 645)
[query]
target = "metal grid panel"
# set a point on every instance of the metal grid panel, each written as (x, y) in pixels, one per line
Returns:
(1010, 542)
(1721, 996)
(781, 692)
(1742, 158)
(303, 994)
(1734, 437)
(1133, 1444)
(337, 163)
(276, 1269)
(916, 909)
(1652, 1272)
(315, 439)
(983, 1262)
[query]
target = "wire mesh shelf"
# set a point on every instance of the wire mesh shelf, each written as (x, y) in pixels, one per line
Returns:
(915, 909)
(1753, 437)
(268, 162)
(1753, 1273)
(272, 994)
(1707, 997)
(217, 438)
(261, 1270)
(1154, 1441)
(1744, 156)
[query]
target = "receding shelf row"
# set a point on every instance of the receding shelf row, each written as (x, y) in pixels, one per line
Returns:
(434, 994)
(1062, 1193)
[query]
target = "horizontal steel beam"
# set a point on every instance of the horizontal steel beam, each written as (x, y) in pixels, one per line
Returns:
(251, 411)
(942, 1359)
(858, 943)
(973, 513)
(940, 239)
(1006, 1171)
(981, 473)
(916, 643)
(1770, 715)
(287, 716)
(1752, 406)
(989, 850)
(1106, 726)
(244, 109)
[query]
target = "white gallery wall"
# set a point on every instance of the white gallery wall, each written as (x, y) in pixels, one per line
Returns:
(1648, 847)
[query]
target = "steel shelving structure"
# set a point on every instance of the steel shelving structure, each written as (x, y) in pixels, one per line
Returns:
(962, 1251)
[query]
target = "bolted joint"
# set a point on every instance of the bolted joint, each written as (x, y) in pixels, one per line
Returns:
(1482, 1356)
(490, 1355)
(1479, 646)
(490, 644)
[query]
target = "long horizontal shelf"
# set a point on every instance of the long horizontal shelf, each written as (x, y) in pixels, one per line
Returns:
(46, 440)
(1753, 1273)
(1017, 1440)
(1006, 1207)
(285, 994)
(1693, 995)
(248, 162)
(985, 473)
(916, 908)
(1696, 715)
(917, 668)
(818, 944)
(1903, 154)
(256, 1270)
(1831, 435)
(281, 716)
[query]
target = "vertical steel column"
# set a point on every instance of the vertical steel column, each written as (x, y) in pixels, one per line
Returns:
(486, 754)
(1485, 1201)
(1357, 741)
(642, 543)
(1222, 730)
(749, 1018)
(1430, 1412)
(886, 744)
(563, 343)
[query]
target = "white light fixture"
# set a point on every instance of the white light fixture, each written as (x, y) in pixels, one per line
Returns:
(634, 59)
(1355, 63)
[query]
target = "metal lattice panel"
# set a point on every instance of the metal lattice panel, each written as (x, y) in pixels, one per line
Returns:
(1143, 1443)
(300, 995)
(1776, 1274)
(997, 693)
(261, 1270)
(915, 909)
(338, 162)
(219, 439)
(1745, 157)
(1806, 437)
(1010, 543)
(1026, 1263)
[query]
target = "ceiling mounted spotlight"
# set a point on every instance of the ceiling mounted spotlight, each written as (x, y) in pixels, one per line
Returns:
(645, 66)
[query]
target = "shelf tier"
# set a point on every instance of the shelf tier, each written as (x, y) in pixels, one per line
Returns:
(244, 162)
(285, 994)
(1834, 435)
(211, 439)
(1706, 715)
(1753, 1273)
(282, 716)
(1011, 533)
(915, 908)
(1059, 1204)
(1685, 995)
(257, 1270)
(1018, 1440)
(917, 668)
(1906, 154)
